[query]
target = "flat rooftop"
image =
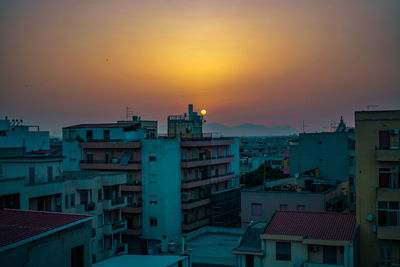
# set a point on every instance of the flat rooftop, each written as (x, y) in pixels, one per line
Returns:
(140, 261)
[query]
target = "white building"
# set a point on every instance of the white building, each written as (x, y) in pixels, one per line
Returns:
(301, 238)
(14, 134)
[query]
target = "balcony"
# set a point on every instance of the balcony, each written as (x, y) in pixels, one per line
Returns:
(122, 249)
(44, 180)
(388, 233)
(195, 224)
(309, 264)
(387, 194)
(116, 203)
(132, 186)
(388, 155)
(191, 163)
(109, 143)
(208, 180)
(211, 142)
(134, 231)
(195, 204)
(114, 228)
(133, 208)
(86, 207)
(102, 165)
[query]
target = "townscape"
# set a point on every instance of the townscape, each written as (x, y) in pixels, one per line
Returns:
(121, 194)
(199, 133)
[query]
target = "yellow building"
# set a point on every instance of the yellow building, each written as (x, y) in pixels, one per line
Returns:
(378, 183)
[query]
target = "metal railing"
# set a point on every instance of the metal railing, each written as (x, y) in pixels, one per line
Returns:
(207, 158)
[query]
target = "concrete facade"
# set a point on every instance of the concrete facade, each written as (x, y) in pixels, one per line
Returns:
(378, 195)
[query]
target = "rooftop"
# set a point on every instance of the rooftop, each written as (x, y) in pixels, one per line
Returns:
(104, 125)
(313, 225)
(140, 261)
(18, 227)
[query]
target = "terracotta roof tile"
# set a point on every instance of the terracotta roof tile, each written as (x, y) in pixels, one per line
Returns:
(313, 225)
(17, 225)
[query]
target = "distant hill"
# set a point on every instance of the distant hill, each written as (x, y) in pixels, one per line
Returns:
(246, 129)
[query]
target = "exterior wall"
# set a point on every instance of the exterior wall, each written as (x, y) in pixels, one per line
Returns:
(72, 155)
(21, 136)
(301, 255)
(327, 151)
(271, 201)
(161, 182)
(368, 125)
(103, 233)
(98, 134)
(57, 248)
(20, 168)
(16, 180)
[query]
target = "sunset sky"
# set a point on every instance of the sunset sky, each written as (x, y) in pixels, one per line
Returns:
(274, 63)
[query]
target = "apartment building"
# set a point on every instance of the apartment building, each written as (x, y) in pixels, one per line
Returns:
(331, 152)
(98, 194)
(304, 193)
(31, 180)
(15, 134)
(301, 238)
(170, 177)
(254, 151)
(378, 195)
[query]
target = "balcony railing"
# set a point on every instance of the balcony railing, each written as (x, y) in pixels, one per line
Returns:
(207, 158)
(208, 177)
(90, 206)
(114, 227)
(388, 154)
(115, 203)
(38, 181)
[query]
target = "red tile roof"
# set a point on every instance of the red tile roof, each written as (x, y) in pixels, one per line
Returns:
(313, 225)
(103, 125)
(19, 225)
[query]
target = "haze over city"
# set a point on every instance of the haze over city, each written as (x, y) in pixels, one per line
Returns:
(273, 63)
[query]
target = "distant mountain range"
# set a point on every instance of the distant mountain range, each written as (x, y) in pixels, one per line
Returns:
(246, 129)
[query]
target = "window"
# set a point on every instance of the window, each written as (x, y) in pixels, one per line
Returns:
(89, 135)
(153, 221)
(384, 140)
(66, 201)
(100, 220)
(84, 197)
(388, 213)
(256, 209)
(101, 245)
(99, 194)
(249, 261)
(300, 207)
(50, 173)
(77, 256)
(330, 255)
(31, 175)
(385, 255)
(152, 158)
(283, 251)
(387, 178)
(107, 157)
(284, 207)
(89, 157)
(106, 135)
(72, 200)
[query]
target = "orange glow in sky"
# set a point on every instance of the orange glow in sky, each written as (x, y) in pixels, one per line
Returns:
(266, 62)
